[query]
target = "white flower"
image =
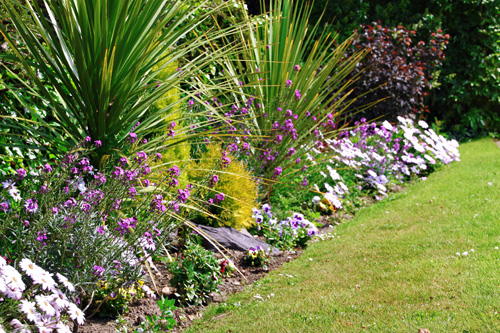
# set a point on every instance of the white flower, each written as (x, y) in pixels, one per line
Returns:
(76, 314)
(423, 124)
(465, 254)
(30, 268)
(7, 184)
(3, 262)
(59, 300)
(387, 125)
(45, 279)
(44, 305)
(148, 291)
(13, 293)
(30, 310)
(66, 282)
(62, 328)
(12, 278)
(316, 200)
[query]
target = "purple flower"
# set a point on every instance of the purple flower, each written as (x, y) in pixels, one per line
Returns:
(132, 192)
(259, 219)
(125, 225)
(71, 202)
(47, 168)
(278, 171)
(288, 83)
(296, 68)
(183, 195)
(31, 206)
(158, 156)
(98, 143)
(118, 172)
(132, 137)
(41, 236)
(304, 182)
(98, 270)
(55, 210)
(219, 197)
(87, 139)
(44, 189)
(214, 180)
(4, 206)
(297, 94)
(100, 230)
(174, 171)
(21, 173)
(100, 177)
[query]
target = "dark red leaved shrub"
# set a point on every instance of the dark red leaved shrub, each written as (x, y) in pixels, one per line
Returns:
(399, 69)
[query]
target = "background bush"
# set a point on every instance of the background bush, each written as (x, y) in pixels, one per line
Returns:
(468, 98)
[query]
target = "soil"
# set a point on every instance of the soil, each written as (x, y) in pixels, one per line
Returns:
(139, 309)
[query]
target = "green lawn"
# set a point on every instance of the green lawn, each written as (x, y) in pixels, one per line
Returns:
(394, 267)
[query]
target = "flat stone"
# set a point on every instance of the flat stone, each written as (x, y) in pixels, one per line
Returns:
(232, 239)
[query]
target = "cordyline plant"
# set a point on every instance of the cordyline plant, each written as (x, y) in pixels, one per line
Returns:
(99, 56)
(282, 96)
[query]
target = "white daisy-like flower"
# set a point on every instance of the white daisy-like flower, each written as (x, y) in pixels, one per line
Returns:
(3, 262)
(45, 279)
(423, 124)
(13, 293)
(12, 278)
(17, 324)
(2, 330)
(8, 183)
(62, 328)
(66, 282)
(59, 300)
(30, 268)
(44, 305)
(76, 314)
(30, 310)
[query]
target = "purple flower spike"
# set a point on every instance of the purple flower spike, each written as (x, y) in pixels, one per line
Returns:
(288, 83)
(98, 143)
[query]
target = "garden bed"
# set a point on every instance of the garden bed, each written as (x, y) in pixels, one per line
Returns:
(139, 309)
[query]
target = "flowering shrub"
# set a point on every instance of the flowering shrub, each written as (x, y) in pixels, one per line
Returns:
(286, 234)
(195, 274)
(40, 303)
(371, 157)
(399, 69)
(85, 224)
(256, 257)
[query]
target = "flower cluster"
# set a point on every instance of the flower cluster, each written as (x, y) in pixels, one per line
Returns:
(256, 257)
(294, 231)
(383, 154)
(42, 303)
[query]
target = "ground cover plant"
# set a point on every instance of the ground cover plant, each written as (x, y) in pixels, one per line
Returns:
(423, 258)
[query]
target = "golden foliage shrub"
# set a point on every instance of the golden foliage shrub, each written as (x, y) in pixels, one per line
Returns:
(235, 181)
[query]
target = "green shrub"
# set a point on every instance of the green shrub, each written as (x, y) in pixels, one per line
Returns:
(195, 274)
(235, 182)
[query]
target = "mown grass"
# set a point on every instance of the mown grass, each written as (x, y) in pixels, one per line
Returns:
(394, 267)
